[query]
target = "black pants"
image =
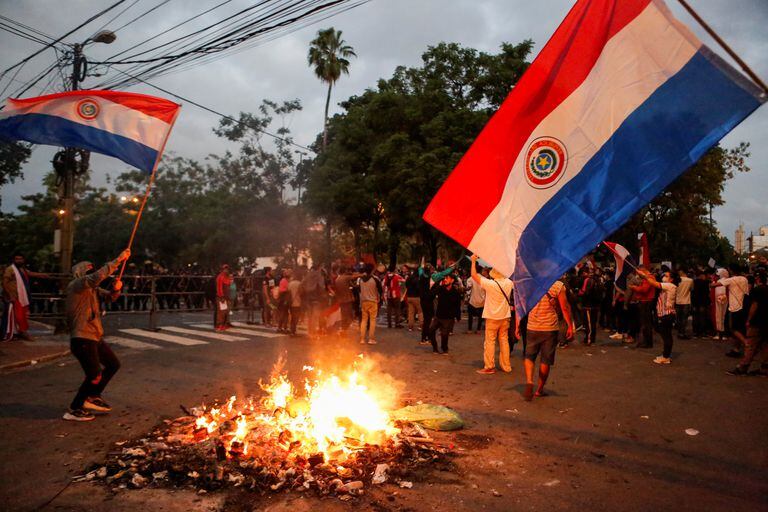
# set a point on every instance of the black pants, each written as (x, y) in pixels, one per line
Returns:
(92, 355)
(700, 321)
(591, 315)
(446, 326)
(665, 331)
(428, 311)
(473, 312)
(295, 314)
(646, 323)
(393, 310)
(621, 317)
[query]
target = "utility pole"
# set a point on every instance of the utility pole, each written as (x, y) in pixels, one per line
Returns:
(67, 165)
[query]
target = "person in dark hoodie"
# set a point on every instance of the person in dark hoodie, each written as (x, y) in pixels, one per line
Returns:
(86, 332)
(447, 312)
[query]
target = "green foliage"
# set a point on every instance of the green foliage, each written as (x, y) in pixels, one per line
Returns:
(677, 221)
(394, 145)
(12, 156)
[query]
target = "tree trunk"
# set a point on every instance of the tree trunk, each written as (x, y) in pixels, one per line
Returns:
(325, 118)
(356, 237)
(394, 247)
(328, 249)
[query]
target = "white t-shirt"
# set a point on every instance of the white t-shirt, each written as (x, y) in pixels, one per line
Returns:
(684, 291)
(738, 287)
(476, 294)
(496, 306)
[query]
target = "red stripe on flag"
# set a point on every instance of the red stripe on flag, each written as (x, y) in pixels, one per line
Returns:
(561, 66)
(163, 109)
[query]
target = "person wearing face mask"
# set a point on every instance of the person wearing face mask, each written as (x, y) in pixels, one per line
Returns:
(16, 291)
(85, 331)
(665, 311)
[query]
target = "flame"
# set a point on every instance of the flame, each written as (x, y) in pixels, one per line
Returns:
(330, 414)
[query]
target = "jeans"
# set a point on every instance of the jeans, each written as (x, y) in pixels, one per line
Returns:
(92, 355)
(445, 325)
(666, 323)
(347, 314)
(369, 312)
(683, 311)
(473, 312)
(414, 308)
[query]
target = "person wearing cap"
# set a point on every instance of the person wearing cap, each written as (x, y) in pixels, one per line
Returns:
(86, 335)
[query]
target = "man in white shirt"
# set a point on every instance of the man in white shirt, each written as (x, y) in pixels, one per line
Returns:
(475, 303)
(683, 303)
(497, 313)
(737, 287)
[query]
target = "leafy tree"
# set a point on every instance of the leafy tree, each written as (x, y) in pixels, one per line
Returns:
(677, 222)
(393, 146)
(12, 156)
(329, 55)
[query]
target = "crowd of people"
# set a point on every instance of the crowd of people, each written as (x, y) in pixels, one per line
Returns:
(728, 305)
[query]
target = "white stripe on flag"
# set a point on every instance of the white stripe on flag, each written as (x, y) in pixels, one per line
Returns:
(633, 64)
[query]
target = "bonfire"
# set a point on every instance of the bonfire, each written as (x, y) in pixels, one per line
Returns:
(331, 433)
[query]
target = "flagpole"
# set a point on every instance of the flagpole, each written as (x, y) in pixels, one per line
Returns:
(626, 260)
(725, 46)
(149, 189)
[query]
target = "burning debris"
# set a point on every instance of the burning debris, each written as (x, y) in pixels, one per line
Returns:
(332, 436)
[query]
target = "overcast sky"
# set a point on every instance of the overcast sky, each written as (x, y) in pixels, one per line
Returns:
(384, 33)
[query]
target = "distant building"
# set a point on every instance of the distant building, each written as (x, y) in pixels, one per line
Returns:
(740, 239)
(759, 241)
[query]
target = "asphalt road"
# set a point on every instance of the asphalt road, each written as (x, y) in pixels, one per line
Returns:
(610, 437)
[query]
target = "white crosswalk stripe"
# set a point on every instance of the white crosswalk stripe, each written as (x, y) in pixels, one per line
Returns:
(262, 328)
(202, 334)
(179, 340)
(130, 343)
(247, 332)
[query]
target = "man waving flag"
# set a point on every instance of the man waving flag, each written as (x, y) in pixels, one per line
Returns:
(131, 127)
(621, 100)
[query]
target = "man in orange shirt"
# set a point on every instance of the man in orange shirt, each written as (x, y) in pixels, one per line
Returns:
(645, 294)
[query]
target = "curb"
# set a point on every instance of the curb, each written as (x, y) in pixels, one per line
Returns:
(41, 359)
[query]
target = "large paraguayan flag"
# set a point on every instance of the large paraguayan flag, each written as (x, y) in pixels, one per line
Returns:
(131, 127)
(621, 100)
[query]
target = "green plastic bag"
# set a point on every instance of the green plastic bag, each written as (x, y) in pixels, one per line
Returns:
(433, 417)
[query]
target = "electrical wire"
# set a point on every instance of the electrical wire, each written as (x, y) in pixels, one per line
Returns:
(49, 45)
(15, 31)
(33, 30)
(209, 109)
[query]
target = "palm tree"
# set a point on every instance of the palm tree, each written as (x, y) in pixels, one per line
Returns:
(328, 54)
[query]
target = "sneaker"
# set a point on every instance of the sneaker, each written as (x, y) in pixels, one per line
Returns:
(662, 360)
(371, 342)
(424, 342)
(78, 415)
(444, 353)
(410, 330)
(616, 336)
(487, 371)
(362, 342)
(737, 371)
(96, 404)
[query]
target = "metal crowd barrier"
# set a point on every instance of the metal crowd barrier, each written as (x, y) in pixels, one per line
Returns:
(145, 295)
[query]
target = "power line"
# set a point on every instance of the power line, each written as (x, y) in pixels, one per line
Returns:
(212, 111)
(27, 28)
(17, 32)
(142, 15)
(116, 16)
(49, 45)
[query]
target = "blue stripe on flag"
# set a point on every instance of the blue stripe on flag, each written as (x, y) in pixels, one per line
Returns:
(56, 131)
(662, 138)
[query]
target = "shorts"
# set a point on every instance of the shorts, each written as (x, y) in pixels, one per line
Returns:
(739, 321)
(544, 342)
